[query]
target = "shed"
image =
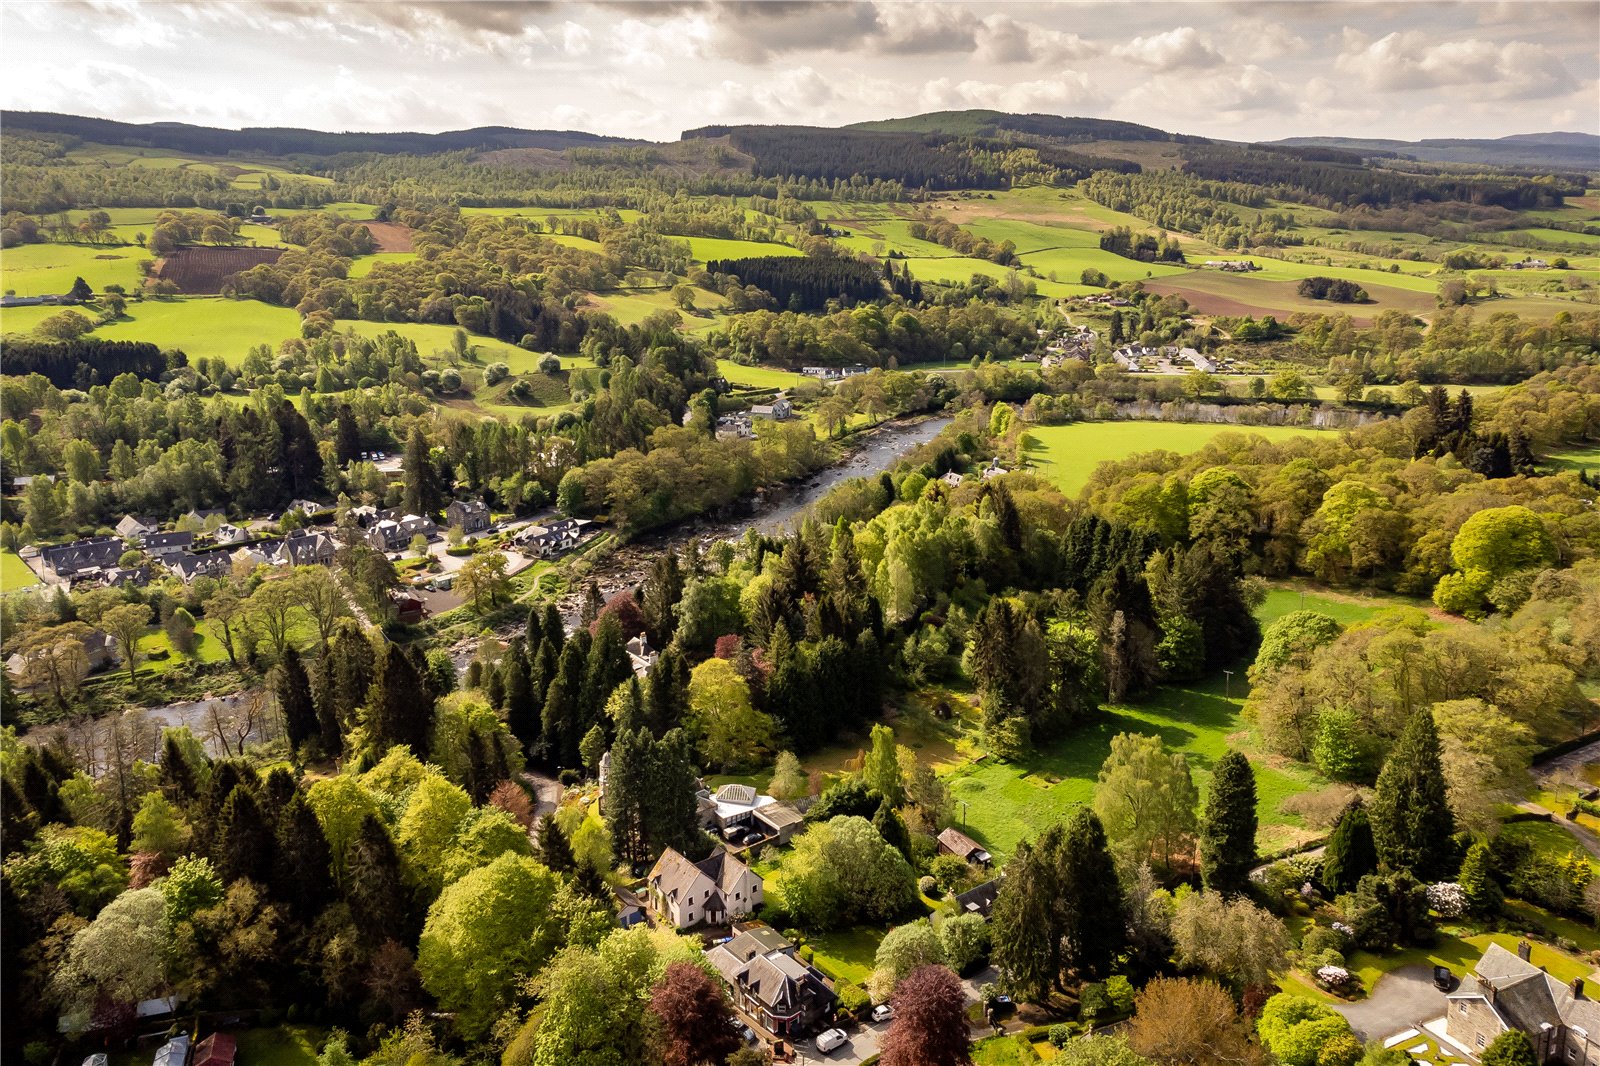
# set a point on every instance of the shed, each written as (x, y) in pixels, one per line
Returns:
(218, 1049)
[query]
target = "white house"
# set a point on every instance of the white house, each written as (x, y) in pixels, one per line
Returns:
(687, 894)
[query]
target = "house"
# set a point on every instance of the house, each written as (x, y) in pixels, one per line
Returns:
(82, 557)
(163, 545)
(1507, 991)
(389, 533)
(994, 469)
(641, 654)
(552, 539)
(980, 900)
(131, 528)
(117, 577)
(229, 534)
(408, 610)
(200, 518)
(779, 410)
(736, 426)
(305, 548)
(686, 894)
(1530, 264)
(260, 553)
(189, 566)
(954, 842)
(99, 652)
(307, 507)
(218, 1049)
(630, 908)
(470, 516)
(174, 1052)
(735, 805)
(952, 479)
(768, 981)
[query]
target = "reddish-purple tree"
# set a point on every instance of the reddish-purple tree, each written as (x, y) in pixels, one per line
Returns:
(930, 1021)
(694, 1017)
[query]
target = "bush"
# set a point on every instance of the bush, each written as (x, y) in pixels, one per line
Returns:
(1322, 938)
(1060, 1034)
(495, 373)
(569, 777)
(929, 887)
(853, 999)
(1447, 899)
(1093, 1002)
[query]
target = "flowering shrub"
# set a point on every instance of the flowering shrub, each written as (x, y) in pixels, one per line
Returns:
(1447, 899)
(1336, 979)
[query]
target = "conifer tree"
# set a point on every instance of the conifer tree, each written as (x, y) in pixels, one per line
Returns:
(672, 815)
(244, 842)
(625, 708)
(892, 829)
(553, 849)
(1412, 825)
(533, 632)
(292, 689)
(662, 591)
(1228, 825)
(554, 629)
(1350, 854)
(561, 715)
(522, 713)
(399, 709)
(627, 794)
(1093, 926)
(421, 491)
(303, 874)
(375, 886)
(667, 691)
(542, 667)
(1477, 881)
(607, 667)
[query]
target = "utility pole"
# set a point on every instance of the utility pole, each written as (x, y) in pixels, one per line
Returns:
(1227, 676)
(963, 813)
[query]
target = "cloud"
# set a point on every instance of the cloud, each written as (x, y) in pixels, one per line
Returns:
(1413, 61)
(1067, 93)
(1183, 48)
(1002, 39)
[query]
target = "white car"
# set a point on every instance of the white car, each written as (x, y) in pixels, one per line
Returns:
(831, 1040)
(882, 1012)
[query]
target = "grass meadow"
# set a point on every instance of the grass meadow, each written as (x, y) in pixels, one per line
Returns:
(15, 573)
(1068, 454)
(46, 269)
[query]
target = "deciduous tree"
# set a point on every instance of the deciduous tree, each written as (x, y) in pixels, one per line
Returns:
(930, 1021)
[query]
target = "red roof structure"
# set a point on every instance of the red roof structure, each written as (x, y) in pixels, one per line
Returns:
(218, 1049)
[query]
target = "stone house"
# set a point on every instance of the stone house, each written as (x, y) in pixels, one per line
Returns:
(470, 516)
(1507, 991)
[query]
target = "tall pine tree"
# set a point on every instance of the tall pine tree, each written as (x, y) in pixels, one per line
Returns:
(375, 885)
(1228, 825)
(400, 709)
(292, 689)
(303, 873)
(1350, 854)
(1412, 825)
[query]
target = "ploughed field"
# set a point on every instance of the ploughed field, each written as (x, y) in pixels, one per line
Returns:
(201, 271)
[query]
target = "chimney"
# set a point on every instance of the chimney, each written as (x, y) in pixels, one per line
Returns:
(1489, 991)
(1577, 988)
(1524, 950)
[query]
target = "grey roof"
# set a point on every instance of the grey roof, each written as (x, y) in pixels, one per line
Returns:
(743, 795)
(1525, 996)
(174, 1052)
(779, 815)
(979, 900)
(87, 554)
(152, 541)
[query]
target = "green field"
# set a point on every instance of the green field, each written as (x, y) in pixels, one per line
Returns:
(360, 268)
(14, 573)
(633, 307)
(760, 377)
(1068, 454)
(705, 249)
(45, 269)
(1344, 608)
(1004, 802)
(1574, 459)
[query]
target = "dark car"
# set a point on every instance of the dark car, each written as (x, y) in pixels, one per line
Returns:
(1443, 979)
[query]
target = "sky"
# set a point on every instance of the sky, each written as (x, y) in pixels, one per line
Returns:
(1235, 70)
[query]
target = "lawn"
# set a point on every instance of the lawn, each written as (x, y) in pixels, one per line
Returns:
(1343, 607)
(1068, 454)
(846, 954)
(200, 326)
(760, 377)
(1001, 803)
(362, 266)
(14, 573)
(633, 307)
(208, 649)
(283, 1045)
(43, 269)
(1574, 459)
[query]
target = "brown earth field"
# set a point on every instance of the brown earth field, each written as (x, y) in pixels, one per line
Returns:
(1232, 294)
(391, 236)
(200, 271)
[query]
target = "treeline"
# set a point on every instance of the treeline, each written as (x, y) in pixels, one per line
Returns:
(944, 232)
(805, 283)
(1178, 201)
(1145, 247)
(1342, 180)
(924, 161)
(1335, 290)
(87, 361)
(875, 336)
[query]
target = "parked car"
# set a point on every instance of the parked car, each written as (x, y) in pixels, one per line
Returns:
(734, 835)
(1443, 979)
(831, 1040)
(747, 1034)
(882, 1012)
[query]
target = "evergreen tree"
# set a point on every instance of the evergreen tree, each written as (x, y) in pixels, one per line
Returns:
(1512, 1047)
(1228, 825)
(400, 710)
(555, 630)
(608, 666)
(292, 689)
(533, 632)
(626, 707)
(18, 822)
(627, 794)
(244, 843)
(1026, 948)
(553, 849)
(1093, 924)
(277, 789)
(1412, 825)
(1350, 854)
(892, 829)
(667, 691)
(353, 664)
(542, 666)
(375, 886)
(302, 875)
(663, 588)
(421, 490)
(522, 713)
(41, 792)
(1477, 881)
(562, 714)
(672, 815)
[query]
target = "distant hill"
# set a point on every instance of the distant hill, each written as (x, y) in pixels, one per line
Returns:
(1567, 151)
(207, 140)
(979, 123)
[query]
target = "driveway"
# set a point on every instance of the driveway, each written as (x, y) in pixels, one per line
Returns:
(866, 1040)
(1399, 1001)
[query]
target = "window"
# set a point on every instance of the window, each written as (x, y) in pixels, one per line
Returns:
(1461, 1008)
(1480, 1040)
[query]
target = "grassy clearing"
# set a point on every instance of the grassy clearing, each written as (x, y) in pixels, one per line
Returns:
(208, 649)
(1005, 802)
(45, 269)
(1574, 458)
(204, 326)
(14, 573)
(361, 267)
(1068, 454)
(1345, 608)
(760, 377)
(705, 249)
(847, 954)
(632, 308)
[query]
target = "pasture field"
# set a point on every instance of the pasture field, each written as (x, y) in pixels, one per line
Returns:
(1574, 458)
(14, 573)
(958, 270)
(576, 242)
(705, 249)
(628, 214)
(1346, 608)
(362, 266)
(633, 307)
(45, 269)
(1067, 455)
(761, 377)
(204, 326)
(1213, 292)
(1559, 236)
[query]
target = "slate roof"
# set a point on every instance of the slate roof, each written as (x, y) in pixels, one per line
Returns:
(961, 844)
(89, 554)
(979, 900)
(1524, 996)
